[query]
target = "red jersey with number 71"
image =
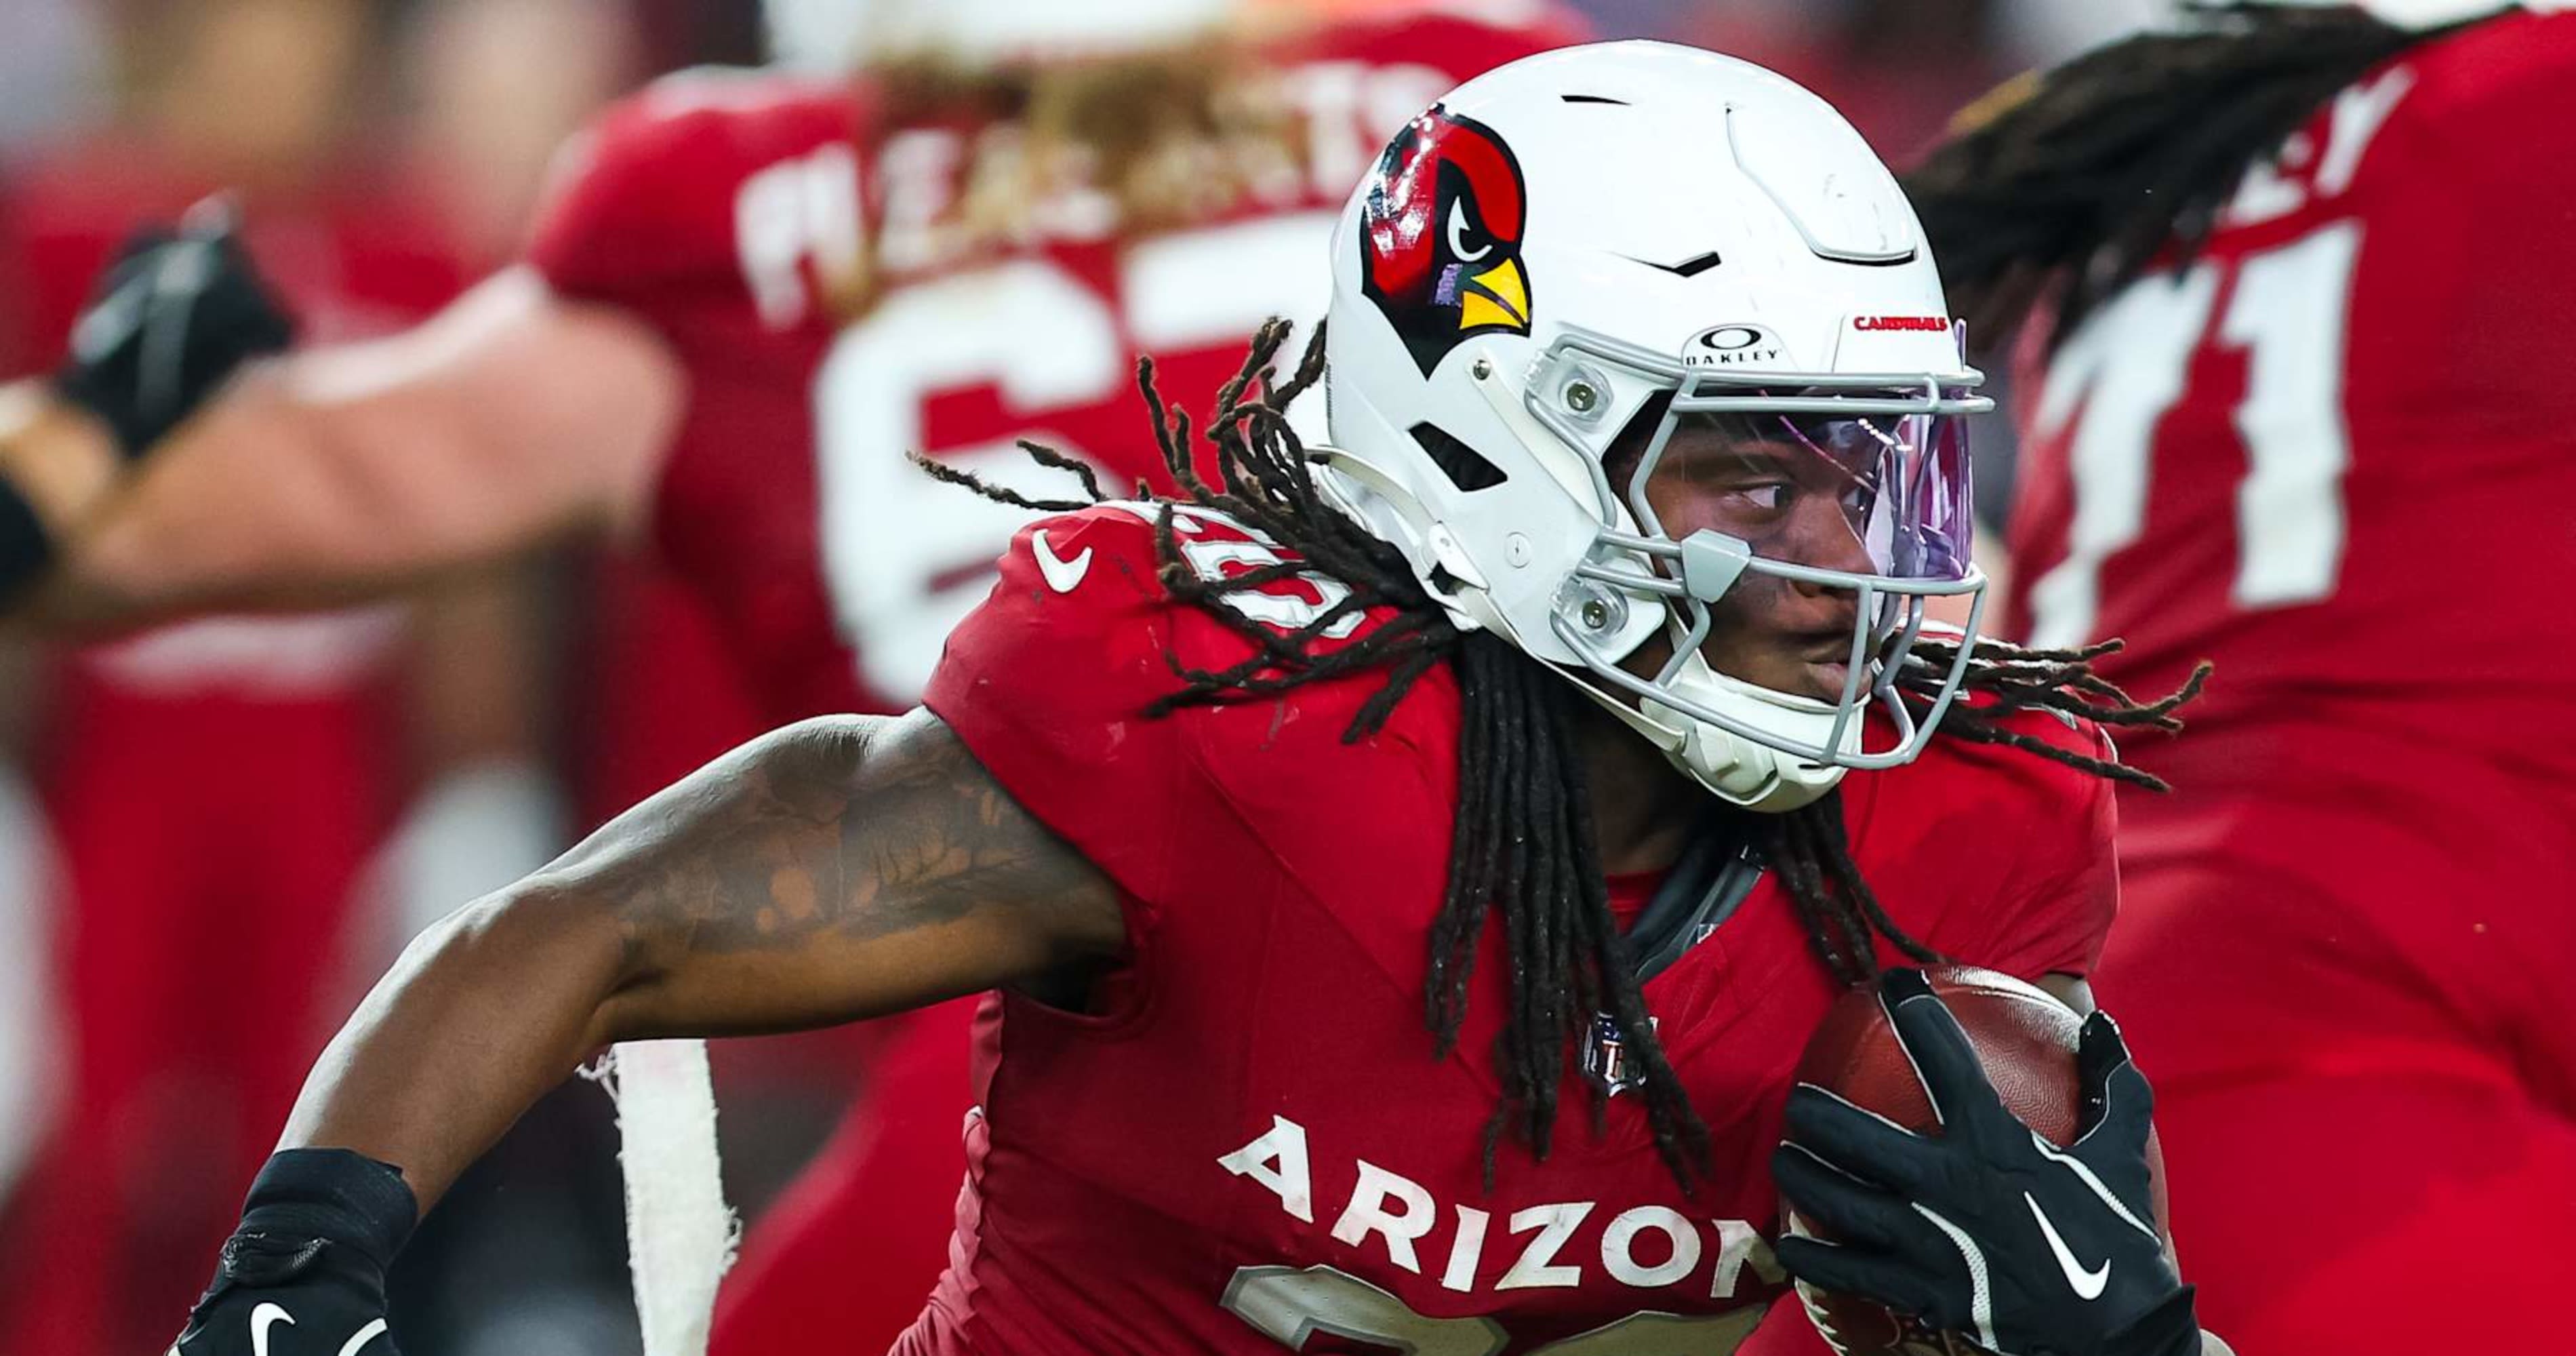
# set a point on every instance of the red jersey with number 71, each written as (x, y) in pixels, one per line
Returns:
(714, 204)
(2334, 451)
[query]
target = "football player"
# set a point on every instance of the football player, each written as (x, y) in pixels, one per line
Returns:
(750, 295)
(1570, 721)
(2295, 282)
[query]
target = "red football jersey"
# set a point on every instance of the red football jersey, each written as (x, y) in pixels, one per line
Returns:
(1248, 1142)
(2331, 452)
(713, 204)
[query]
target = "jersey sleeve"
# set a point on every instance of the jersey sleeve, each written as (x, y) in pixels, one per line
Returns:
(2059, 890)
(602, 225)
(1047, 683)
(649, 200)
(2062, 902)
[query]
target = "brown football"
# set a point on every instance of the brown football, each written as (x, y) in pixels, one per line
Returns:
(2025, 1039)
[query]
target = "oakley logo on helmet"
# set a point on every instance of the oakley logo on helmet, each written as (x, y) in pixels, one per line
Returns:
(1440, 236)
(1731, 346)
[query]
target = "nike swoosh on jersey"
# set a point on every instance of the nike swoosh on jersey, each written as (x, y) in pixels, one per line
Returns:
(1061, 574)
(2087, 1285)
(263, 1318)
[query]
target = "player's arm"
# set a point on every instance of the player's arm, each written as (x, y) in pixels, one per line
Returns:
(837, 869)
(511, 418)
(842, 868)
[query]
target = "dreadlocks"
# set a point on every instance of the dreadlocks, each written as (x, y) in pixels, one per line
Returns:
(1523, 843)
(2084, 174)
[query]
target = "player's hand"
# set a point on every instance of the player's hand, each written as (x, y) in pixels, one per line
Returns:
(169, 321)
(304, 1275)
(1986, 1229)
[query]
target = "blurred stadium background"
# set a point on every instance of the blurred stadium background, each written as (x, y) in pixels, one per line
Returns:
(234, 782)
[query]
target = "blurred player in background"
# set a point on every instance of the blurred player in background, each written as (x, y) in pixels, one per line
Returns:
(224, 790)
(750, 295)
(216, 789)
(2298, 286)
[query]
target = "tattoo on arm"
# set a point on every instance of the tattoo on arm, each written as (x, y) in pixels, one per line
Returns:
(835, 869)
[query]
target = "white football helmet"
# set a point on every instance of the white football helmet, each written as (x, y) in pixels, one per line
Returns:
(1594, 234)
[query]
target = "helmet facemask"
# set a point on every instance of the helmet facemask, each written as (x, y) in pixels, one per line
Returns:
(1841, 497)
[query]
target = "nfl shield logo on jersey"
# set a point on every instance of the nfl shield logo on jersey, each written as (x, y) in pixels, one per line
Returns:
(1605, 1057)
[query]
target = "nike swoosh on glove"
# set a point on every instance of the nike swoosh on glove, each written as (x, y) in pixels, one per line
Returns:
(1986, 1229)
(304, 1274)
(171, 319)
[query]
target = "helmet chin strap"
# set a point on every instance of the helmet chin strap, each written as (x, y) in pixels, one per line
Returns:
(1742, 771)
(1736, 770)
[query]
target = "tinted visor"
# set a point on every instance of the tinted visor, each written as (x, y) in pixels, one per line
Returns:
(1877, 495)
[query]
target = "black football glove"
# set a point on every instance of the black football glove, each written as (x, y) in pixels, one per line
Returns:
(1986, 1229)
(168, 322)
(304, 1274)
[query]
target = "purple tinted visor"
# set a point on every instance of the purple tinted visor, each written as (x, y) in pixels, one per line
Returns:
(1884, 495)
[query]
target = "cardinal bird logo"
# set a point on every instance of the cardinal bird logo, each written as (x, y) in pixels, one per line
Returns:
(1440, 237)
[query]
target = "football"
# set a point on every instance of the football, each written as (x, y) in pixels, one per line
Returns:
(2026, 1041)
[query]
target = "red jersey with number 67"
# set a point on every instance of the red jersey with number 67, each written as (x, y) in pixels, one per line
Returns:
(1247, 1145)
(2335, 452)
(714, 206)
